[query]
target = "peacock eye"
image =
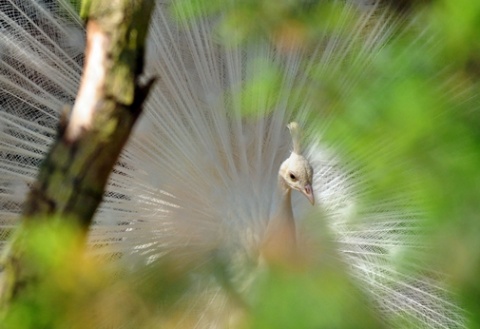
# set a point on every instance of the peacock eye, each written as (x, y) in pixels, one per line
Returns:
(292, 177)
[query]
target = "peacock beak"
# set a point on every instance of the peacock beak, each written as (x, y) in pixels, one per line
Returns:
(309, 193)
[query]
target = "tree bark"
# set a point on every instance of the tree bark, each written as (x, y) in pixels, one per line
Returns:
(72, 178)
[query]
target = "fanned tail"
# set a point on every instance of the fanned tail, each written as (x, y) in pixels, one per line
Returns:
(197, 179)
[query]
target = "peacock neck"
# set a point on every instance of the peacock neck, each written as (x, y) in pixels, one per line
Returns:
(284, 215)
(283, 222)
(280, 243)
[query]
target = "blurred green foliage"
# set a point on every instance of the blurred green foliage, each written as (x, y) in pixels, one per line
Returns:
(73, 290)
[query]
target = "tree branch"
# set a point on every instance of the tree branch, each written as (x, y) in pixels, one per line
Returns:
(72, 178)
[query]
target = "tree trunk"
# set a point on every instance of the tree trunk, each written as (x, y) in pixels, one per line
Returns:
(72, 178)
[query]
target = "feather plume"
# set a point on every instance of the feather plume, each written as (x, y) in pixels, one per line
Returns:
(197, 180)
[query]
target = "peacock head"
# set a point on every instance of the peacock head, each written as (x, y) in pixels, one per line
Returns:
(297, 175)
(296, 172)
